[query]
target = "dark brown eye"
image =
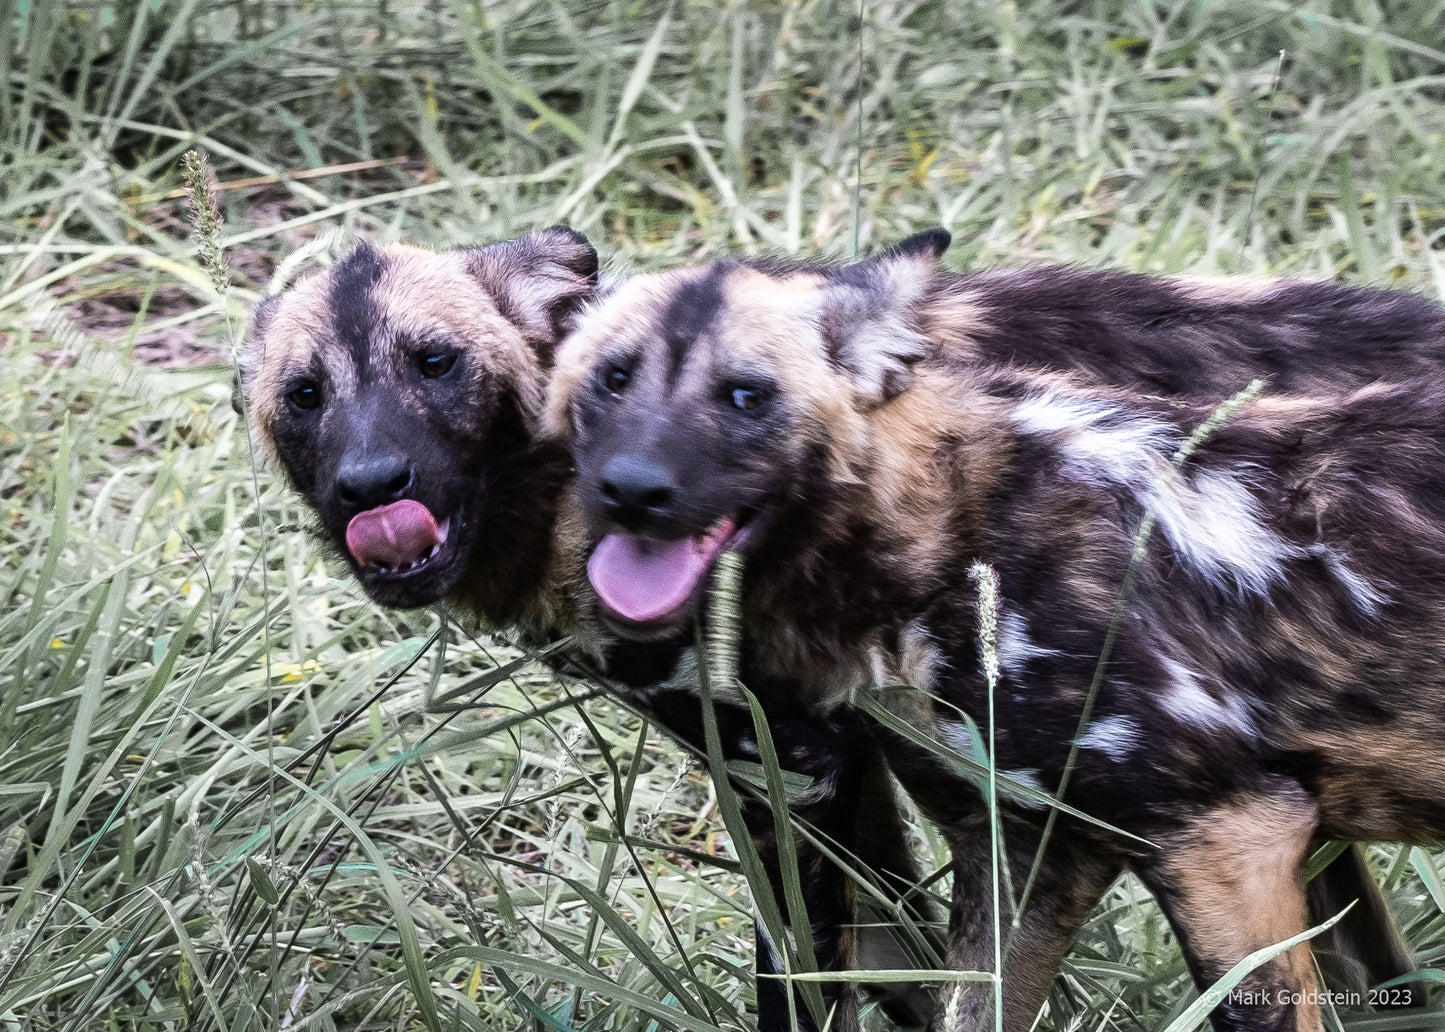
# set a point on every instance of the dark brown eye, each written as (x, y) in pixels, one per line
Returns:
(433, 366)
(615, 379)
(748, 399)
(305, 396)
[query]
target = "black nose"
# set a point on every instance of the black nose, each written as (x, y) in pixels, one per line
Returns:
(375, 478)
(635, 488)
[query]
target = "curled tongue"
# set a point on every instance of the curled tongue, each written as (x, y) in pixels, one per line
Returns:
(394, 536)
(644, 579)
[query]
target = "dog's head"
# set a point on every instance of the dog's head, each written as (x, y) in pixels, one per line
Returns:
(395, 387)
(699, 402)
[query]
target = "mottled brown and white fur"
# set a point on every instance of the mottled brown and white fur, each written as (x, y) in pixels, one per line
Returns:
(1275, 678)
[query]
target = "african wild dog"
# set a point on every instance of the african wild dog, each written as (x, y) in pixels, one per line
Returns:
(400, 392)
(844, 430)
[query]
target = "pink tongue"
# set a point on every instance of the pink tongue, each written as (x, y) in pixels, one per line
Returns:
(644, 579)
(394, 535)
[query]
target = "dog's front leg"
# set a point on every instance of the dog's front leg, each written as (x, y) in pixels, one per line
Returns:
(1072, 876)
(854, 816)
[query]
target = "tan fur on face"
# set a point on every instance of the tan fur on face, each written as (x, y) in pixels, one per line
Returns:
(768, 323)
(602, 326)
(422, 290)
(300, 326)
(773, 324)
(419, 293)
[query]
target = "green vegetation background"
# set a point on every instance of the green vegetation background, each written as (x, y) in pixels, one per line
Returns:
(229, 796)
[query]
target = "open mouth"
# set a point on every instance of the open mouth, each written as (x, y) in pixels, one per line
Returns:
(648, 582)
(398, 540)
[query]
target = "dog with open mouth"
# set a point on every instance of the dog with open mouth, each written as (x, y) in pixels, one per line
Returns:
(674, 432)
(400, 392)
(768, 408)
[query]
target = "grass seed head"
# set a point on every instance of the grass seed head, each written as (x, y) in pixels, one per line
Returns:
(206, 218)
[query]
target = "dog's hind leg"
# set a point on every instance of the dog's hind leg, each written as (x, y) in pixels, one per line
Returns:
(1231, 881)
(1365, 948)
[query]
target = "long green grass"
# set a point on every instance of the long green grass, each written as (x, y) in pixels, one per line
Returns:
(234, 795)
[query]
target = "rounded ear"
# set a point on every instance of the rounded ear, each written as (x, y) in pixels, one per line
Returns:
(869, 315)
(538, 281)
(931, 243)
(250, 354)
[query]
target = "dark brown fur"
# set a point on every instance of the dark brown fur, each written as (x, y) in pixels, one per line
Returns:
(883, 464)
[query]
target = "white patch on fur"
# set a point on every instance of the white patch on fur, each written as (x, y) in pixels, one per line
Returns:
(1210, 519)
(1100, 443)
(918, 658)
(1224, 290)
(955, 735)
(1362, 592)
(1187, 701)
(819, 790)
(880, 665)
(1029, 778)
(1015, 648)
(1115, 737)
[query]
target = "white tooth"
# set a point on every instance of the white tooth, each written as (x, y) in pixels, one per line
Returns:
(442, 529)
